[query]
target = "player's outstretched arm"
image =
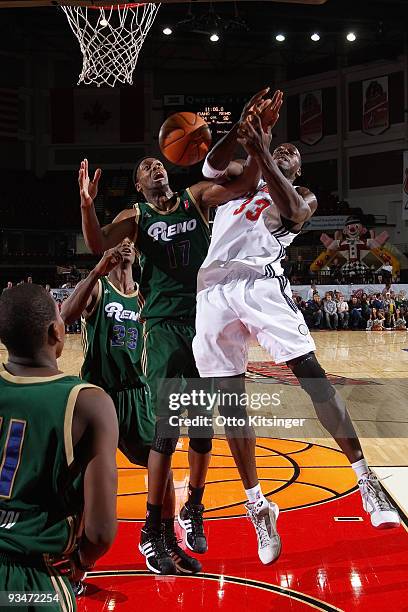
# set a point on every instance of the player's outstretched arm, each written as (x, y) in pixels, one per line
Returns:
(218, 164)
(100, 239)
(222, 153)
(82, 300)
(209, 193)
(95, 412)
(294, 203)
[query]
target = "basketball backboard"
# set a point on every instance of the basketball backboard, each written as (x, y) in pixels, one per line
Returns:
(96, 3)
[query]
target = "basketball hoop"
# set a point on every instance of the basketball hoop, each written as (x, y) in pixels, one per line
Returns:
(110, 38)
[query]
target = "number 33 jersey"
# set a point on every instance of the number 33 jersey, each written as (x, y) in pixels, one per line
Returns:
(112, 340)
(248, 235)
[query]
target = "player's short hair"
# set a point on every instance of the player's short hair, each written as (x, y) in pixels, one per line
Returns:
(26, 312)
(136, 168)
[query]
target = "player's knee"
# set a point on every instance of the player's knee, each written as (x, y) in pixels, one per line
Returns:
(165, 441)
(312, 377)
(202, 446)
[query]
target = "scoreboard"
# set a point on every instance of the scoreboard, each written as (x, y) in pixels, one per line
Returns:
(220, 112)
(219, 118)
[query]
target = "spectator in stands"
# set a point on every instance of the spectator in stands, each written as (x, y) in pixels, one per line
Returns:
(386, 271)
(48, 288)
(342, 311)
(287, 266)
(365, 308)
(400, 324)
(356, 318)
(377, 302)
(401, 299)
(330, 312)
(378, 321)
(370, 321)
(29, 279)
(299, 270)
(336, 272)
(387, 288)
(9, 286)
(311, 291)
(389, 310)
(314, 312)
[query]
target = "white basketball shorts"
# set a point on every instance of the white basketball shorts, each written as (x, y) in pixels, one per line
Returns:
(229, 315)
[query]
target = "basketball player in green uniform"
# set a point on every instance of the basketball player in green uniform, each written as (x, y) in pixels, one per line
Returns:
(113, 341)
(171, 233)
(58, 477)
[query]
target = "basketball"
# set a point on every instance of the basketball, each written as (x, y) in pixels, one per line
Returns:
(184, 138)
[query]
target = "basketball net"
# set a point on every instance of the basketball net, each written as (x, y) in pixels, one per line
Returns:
(110, 39)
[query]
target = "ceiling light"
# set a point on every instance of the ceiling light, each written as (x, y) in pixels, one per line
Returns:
(315, 37)
(214, 37)
(280, 37)
(167, 31)
(351, 37)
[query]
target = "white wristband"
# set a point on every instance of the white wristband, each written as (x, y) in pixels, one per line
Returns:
(210, 172)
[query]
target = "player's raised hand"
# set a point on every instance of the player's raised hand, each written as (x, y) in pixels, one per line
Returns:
(110, 259)
(88, 189)
(252, 136)
(251, 105)
(269, 113)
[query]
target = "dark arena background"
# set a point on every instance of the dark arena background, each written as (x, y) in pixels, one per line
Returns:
(343, 68)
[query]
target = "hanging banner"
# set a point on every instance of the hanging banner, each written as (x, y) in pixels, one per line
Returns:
(405, 188)
(311, 117)
(376, 119)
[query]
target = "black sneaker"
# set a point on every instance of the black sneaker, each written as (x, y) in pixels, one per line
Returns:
(190, 519)
(157, 559)
(183, 562)
(78, 588)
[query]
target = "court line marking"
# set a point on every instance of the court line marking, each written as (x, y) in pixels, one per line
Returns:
(265, 586)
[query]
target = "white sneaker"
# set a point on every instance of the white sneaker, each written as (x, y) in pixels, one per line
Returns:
(383, 515)
(263, 515)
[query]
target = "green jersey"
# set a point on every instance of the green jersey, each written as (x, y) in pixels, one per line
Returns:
(40, 507)
(172, 247)
(112, 339)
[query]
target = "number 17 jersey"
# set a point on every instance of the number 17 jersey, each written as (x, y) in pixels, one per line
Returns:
(172, 246)
(248, 235)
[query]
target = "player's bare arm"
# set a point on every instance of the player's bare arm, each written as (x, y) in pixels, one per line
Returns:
(96, 422)
(222, 153)
(220, 157)
(214, 193)
(100, 239)
(82, 300)
(295, 204)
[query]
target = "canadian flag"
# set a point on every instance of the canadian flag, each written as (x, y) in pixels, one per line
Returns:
(98, 115)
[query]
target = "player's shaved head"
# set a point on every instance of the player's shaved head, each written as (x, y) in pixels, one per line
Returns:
(26, 313)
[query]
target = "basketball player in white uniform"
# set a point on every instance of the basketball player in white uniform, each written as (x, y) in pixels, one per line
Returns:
(243, 294)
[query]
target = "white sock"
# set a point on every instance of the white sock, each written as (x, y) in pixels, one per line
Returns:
(360, 468)
(254, 494)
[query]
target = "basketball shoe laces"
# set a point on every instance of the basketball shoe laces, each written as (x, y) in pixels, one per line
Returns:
(157, 545)
(260, 527)
(371, 490)
(196, 521)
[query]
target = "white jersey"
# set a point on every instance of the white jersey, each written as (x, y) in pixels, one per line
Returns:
(247, 234)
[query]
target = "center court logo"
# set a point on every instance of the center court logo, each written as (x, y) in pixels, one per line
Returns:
(161, 230)
(114, 309)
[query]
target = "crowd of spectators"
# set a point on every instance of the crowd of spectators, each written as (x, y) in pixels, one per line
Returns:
(377, 312)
